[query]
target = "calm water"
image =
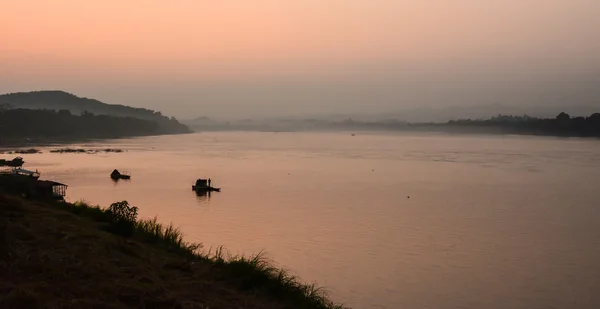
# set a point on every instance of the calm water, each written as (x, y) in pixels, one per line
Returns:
(491, 222)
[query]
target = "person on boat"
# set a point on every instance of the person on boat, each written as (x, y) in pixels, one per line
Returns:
(209, 182)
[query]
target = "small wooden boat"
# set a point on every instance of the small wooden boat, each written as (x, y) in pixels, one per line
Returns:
(21, 172)
(202, 186)
(119, 175)
(16, 162)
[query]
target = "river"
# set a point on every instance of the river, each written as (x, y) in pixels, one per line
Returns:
(381, 220)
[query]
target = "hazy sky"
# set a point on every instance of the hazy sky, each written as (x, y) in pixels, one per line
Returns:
(273, 57)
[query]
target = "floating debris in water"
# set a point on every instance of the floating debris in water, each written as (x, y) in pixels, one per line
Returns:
(81, 150)
(22, 151)
(28, 151)
(68, 150)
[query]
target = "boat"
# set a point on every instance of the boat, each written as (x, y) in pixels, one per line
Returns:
(203, 186)
(20, 172)
(16, 162)
(25, 182)
(116, 175)
(28, 173)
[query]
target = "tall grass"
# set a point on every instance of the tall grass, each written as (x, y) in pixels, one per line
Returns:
(152, 231)
(258, 273)
(255, 273)
(82, 208)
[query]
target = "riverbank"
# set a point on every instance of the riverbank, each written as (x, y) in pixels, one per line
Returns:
(77, 256)
(561, 126)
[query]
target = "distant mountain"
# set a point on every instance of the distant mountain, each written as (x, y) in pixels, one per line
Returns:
(60, 100)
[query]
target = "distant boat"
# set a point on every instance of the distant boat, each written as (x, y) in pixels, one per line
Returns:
(20, 172)
(24, 172)
(119, 175)
(202, 186)
(16, 162)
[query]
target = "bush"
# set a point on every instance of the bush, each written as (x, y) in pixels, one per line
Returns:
(123, 218)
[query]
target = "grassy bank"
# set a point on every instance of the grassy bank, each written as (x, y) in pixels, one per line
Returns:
(62, 255)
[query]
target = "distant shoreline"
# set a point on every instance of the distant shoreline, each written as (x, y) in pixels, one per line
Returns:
(8, 145)
(421, 129)
(561, 126)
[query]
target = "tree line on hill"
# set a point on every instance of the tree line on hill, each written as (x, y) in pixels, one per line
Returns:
(63, 101)
(561, 125)
(48, 125)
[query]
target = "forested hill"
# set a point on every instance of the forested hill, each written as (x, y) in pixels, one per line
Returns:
(31, 126)
(60, 100)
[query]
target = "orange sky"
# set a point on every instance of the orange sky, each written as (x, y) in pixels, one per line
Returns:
(216, 33)
(84, 42)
